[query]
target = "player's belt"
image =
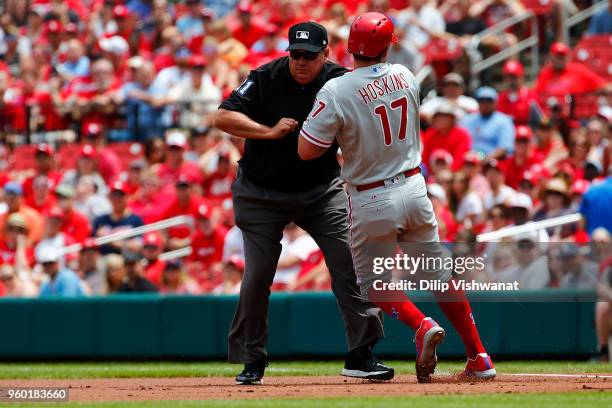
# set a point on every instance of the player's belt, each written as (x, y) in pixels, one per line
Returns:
(374, 184)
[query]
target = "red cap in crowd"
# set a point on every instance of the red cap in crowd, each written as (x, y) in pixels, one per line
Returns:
(120, 11)
(55, 212)
(152, 239)
(513, 68)
(93, 129)
(494, 164)
(237, 261)
(72, 28)
(524, 133)
(441, 155)
(184, 179)
(245, 6)
(45, 148)
(54, 27)
(203, 212)
(558, 48)
(88, 151)
(197, 61)
(119, 186)
(472, 157)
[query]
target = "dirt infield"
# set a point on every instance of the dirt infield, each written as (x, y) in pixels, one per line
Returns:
(135, 389)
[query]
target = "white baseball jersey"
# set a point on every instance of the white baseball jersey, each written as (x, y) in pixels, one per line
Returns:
(373, 114)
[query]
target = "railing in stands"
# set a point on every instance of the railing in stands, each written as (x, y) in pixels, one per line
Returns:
(133, 232)
(478, 64)
(569, 22)
(529, 227)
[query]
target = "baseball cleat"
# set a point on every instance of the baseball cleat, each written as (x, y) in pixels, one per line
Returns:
(252, 374)
(427, 338)
(480, 367)
(361, 363)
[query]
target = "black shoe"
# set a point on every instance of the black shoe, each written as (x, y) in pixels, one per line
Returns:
(252, 374)
(361, 363)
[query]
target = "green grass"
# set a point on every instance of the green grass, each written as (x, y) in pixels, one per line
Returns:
(553, 400)
(279, 368)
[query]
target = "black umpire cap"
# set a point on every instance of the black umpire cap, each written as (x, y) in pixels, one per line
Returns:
(308, 36)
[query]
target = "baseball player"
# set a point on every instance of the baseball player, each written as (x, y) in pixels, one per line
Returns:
(372, 112)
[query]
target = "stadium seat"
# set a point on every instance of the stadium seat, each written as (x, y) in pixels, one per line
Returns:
(67, 155)
(442, 50)
(595, 52)
(22, 158)
(127, 152)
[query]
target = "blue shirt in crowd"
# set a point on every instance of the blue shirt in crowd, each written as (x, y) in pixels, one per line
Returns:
(596, 206)
(128, 221)
(490, 133)
(66, 283)
(601, 23)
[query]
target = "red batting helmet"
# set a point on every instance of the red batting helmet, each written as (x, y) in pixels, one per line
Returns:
(370, 34)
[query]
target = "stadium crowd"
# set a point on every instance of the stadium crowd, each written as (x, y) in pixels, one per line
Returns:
(105, 118)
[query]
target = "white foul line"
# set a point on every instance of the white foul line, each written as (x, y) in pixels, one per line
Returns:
(563, 375)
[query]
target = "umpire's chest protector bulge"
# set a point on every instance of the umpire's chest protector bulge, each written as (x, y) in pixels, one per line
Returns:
(267, 95)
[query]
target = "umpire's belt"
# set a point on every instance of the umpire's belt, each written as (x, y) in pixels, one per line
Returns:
(382, 183)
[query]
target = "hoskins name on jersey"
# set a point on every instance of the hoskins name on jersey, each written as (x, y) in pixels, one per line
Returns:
(383, 86)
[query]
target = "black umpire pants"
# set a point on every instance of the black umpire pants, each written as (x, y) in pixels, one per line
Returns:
(262, 215)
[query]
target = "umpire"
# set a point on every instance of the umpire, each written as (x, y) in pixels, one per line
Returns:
(275, 187)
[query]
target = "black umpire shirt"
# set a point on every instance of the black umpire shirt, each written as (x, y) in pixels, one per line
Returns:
(267, 95)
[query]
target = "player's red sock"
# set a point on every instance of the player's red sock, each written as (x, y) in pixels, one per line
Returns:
(399, 307)
(456, 307)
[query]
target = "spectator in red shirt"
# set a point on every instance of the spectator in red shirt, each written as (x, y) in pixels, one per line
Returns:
(560, 77)
(445, 134)
(268, 48)
(447, 227)
(183, 202)
(517, 100)
(75, 224)
(152, 246)
(116, 50)
(44, 165)
(108, 163)
(233, 270)
(218, 185)
(549, 148)
(207, 248)
(41, 199)
(175, 164)
(249, 30)
(521, 160)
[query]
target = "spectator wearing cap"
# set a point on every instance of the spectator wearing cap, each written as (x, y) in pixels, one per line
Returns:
(492, 131)
(453, 87)
(439, 161)
(170, 76)
(517, 100)
(114, 269)
(90, 268)
(447, 227)
(13, 197)
(233, 269)
(248, 30)
(44, 165)
(598, 135)
(152, 247)
(14, 285)
(75, 224)
(207, 248)
(559, 77)
(61, 280)
(175, 164)
(420, 23)
(578, 272)
(175, 281)
(522, 159)
(15, 248)
(135, 282)
(53, 237)
(147, 200)
(530, 267)
(190, 24)
(116, 50)
(201, 141)
(197, 95)
(500, 193)
(144, 100)
(120, 218)
(269, 47)
(108, 163)
(576, 161)
(76, 64)
(444, 133)
(497, 218)
(86, 166)
(596, 205)
(555, 203)
(601, 22)
(135, 175)
(464, 203)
